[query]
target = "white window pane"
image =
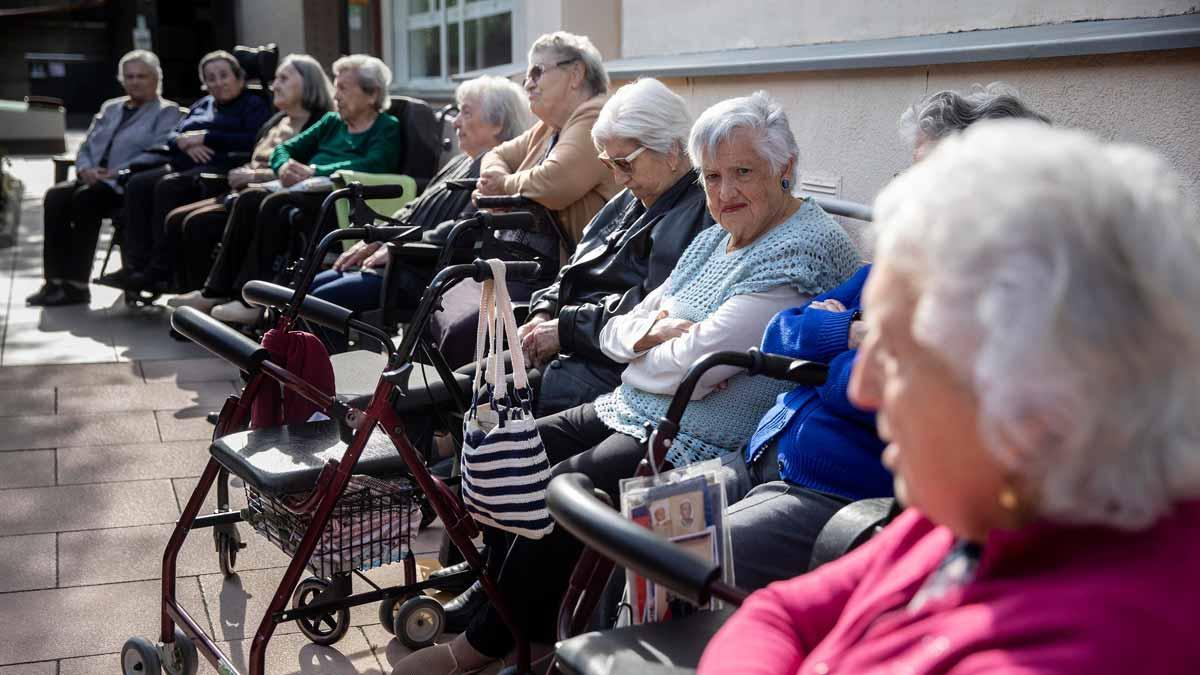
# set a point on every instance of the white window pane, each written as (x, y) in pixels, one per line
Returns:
(424, 53)
(488, 41)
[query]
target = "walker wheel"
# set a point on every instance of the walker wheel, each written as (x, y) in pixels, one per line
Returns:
(324, 629)
(184, 659)
(388, 609)
(419, 621)
(227, 552)
(139, 656)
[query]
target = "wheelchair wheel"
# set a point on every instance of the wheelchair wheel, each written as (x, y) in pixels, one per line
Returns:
(139, 656)
(184, 659)
(419, 621)
(324, 629)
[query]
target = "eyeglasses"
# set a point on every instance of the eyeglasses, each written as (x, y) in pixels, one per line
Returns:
(537, 70)
(622, 164)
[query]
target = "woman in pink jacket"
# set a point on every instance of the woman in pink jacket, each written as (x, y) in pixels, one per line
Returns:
(1033, 330)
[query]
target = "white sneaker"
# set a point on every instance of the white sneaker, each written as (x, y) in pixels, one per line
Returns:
(236, 312)
(196, 300)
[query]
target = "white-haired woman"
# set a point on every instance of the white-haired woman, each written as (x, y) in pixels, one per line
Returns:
(1033, 329)
(772, 250)
(119, 135)
(946, 112)
(358, 136)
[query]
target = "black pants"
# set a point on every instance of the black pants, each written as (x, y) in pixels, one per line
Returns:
(199, 226)
(534, 574)
(235, 242)
(259, 238)
(147, 245)
(72, 212)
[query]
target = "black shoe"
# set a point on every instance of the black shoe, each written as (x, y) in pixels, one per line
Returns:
(462, 609)
(45, 291)
(67, 294)
(118, 279)
(453, 570)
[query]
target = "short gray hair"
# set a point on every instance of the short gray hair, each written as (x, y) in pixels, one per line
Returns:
(145, 57)
(501, 101)
(221, 55)
(1059, 276)
(945, 112)
(316, 95)
(645, 111)
(758, 112)
(576, 47)
(374, 77)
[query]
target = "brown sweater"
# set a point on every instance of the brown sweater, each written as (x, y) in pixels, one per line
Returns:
(572, 181)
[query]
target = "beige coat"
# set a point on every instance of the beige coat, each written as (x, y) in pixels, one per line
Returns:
(572, 181)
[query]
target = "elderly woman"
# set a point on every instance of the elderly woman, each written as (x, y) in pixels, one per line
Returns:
(120, 135)
(359, 136)
(1032, 335)
(773, 250)
(223, 122)
(553, 163)
(491, 110)
(814, 451)
(302, 94)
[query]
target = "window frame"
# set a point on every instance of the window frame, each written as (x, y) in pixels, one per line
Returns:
(440, 15)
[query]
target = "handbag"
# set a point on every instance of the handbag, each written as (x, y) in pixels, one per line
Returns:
(504, 465)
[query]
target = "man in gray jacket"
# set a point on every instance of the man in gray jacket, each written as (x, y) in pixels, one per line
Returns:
(120, 135)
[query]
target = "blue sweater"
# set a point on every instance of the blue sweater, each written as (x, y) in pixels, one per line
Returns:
(230, 127)
(825, 443)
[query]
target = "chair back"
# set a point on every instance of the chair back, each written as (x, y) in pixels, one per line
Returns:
(422, 136)
(259, 63)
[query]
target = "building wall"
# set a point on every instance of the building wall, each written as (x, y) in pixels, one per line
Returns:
(263, 21)
(667, 27)
(845, 121)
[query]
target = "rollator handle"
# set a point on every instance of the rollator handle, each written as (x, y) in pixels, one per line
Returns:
(503, 202)
(512, 270)
(521, 220)
(459, 184)
(784, 368)
(391, 233)
(382, 191)
(316, 310)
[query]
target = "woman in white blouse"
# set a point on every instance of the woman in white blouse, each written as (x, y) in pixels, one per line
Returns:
(771, 251)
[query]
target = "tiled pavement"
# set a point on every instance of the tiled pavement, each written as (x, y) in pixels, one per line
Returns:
(102, 436)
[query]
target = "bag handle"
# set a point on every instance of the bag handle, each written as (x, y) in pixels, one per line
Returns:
(506, 319)
(486, 300)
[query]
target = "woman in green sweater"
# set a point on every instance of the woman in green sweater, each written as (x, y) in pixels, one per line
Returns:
(358, 136)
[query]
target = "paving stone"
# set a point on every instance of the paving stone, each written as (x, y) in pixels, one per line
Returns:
(208, 369)
(136, 461)
(86, 507)
(26, 468)
(205, 396)
(184, 425)
(28, 343)
(185, 486)
(87, 621)
(27, 562)
(17, 402)
(387, 648)
(143, 334)
(135, 554)
(42, 668)
(57, 431)
(77, 375)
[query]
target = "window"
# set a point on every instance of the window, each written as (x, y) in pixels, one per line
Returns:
(436, 39)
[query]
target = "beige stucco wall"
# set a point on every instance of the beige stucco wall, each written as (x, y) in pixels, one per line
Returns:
(262, 21)
(600, 20)
(845, 121)
(683, 26)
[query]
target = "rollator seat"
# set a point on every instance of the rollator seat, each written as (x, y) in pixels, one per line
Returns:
(357, 373)
(669, 647)
(288, 459)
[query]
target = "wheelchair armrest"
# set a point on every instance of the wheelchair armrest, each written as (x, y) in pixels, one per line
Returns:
(670, 648)
(219, 339)
(852, 525)
(385, 207)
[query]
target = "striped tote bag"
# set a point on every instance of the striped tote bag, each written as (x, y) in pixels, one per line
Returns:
(504, 464)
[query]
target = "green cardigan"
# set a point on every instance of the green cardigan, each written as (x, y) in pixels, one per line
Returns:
(328, 146)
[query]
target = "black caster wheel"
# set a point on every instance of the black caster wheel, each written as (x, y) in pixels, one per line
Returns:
(139, 656)
(388, 609)
(327, 628)
(419, 621)
(227, 553)
(183, 659)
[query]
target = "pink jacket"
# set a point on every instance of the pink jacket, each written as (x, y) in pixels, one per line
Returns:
(1045, 599)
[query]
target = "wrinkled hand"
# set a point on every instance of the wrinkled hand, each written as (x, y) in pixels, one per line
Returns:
(858, 333)
(200, 154)
(190, 139)
(293, 172)
(664, 328)
(354, 255)
(89, 176)
(829, 305)
(241, 177)
(540, 345)
(527, 327)
(379, 258)
(490, 183)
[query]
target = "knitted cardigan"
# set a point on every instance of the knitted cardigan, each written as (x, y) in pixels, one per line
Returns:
(809, 252)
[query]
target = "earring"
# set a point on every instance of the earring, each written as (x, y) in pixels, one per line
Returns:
(1008, 499)
(787, 184)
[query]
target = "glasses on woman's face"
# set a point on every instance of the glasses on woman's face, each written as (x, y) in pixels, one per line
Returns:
(622, 164)
(537, 70)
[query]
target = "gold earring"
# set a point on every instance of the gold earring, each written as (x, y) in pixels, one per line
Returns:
(1008, 499)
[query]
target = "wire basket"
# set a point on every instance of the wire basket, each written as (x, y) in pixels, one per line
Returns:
(371, 525)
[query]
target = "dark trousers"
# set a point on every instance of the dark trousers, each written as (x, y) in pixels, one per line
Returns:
(235, 241)
(199, 226)
(259, 237)
(147, 245)
(72, 212)
(534, 574)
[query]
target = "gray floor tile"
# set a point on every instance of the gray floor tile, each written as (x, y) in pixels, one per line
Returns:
(26, 468)
(109, 463)
(208, 369)
(135, 554)
(387, 648)
(185, 486)
(157, 396)
(91, 620)
(86, 507)
(184, 425)
(57, 431)
(27, 562)
(28, 343)
(50, 376)
(42, 668)
(14, 402)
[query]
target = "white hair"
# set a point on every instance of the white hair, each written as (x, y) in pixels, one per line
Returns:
(145, 57)
(1059, 275)
(501, 101)
(374, 77)
(565, 46)
(945, 112)
(645, 111)
(758, 112)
